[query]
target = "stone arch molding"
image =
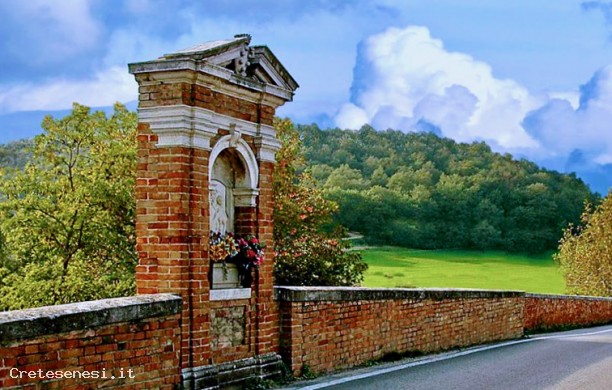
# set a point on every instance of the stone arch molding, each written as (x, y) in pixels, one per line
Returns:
(246, 190)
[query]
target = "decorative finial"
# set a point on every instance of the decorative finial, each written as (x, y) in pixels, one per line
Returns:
(247, 36)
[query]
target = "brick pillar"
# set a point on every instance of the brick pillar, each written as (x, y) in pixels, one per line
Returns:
(171, 229)
(195, 106)
(267, 307)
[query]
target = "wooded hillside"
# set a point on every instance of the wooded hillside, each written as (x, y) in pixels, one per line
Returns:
(421, 191)
(418, 190)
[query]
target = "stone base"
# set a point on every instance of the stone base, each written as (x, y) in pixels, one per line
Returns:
(232, 375)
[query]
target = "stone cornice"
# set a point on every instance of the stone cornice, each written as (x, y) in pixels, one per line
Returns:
(266, 147)
(188, 126)
(268, 61)
(245, 197)
(179, 126)
(182, 70)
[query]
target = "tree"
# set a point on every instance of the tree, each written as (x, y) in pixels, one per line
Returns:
(379, 177)
(67, 218)
(346, 178)
(585, 253)
(306, 254)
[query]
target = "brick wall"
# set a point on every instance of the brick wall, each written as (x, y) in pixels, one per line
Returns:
(201, 96)
(100, 338)
(334, 328)
(557, 311)
(323, 328)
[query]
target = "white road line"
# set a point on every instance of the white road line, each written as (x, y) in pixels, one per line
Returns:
(561, 336)
(441, 358)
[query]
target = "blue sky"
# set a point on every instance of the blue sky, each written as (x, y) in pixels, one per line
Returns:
(533, 78)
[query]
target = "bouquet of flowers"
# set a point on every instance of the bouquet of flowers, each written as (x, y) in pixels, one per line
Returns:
(247, 253)
(221, 247)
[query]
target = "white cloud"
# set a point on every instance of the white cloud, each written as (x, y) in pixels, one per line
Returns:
(404, 76)
(107, 87)
(562, 128)
(351, 116)
(573, 97)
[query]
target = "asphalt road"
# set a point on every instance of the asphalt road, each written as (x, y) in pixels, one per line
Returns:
(580, 359)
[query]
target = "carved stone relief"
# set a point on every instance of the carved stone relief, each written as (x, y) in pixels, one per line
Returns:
(228, 327)
(219, 213)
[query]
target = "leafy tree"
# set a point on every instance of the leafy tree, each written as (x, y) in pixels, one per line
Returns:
(347, 178)
(585, 253)
(320, 172)
(403, 180)
(306, 255)
(379, 177)
(67, 218)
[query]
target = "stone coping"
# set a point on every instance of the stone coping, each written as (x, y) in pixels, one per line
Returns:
(31, 323)
(573, 297)
(307, 294)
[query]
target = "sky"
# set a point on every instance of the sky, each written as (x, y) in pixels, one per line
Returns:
(531, 78)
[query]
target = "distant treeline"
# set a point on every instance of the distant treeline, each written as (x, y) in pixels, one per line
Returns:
(418, 190)
(421, 191)
(15, 154)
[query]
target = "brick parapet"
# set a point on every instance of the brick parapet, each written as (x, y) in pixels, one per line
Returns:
(334, 328)
(325, 328)
(98, 339)
(545, 312)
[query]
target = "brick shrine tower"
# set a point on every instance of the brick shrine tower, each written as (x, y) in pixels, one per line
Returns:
(205, 127)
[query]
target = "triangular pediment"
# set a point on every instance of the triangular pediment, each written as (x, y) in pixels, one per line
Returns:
(256, 63)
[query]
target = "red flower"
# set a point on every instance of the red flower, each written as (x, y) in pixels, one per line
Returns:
(229, 246)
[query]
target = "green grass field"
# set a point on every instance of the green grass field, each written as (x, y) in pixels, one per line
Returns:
(399, 267)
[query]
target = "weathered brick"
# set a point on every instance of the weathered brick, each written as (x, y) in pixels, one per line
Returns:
(554, 311)
(53, 352)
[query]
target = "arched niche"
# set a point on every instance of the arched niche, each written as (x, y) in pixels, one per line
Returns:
(233, 179)
(233, 176)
